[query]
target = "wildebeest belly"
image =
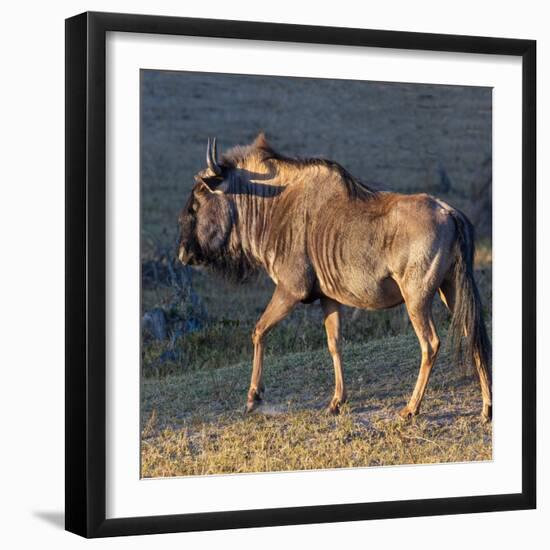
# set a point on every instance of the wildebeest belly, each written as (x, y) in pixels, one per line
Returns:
(363, 291)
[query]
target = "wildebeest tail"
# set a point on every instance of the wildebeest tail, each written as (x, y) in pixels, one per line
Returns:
(468, 334)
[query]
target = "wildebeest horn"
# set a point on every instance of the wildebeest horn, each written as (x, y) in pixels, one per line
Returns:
(212, 157)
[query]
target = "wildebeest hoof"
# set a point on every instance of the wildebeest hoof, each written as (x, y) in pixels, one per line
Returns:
(335, 406)
(252, 405)
(486, 414)
(406, 414)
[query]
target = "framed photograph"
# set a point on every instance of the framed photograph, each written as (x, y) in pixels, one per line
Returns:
(300, 274)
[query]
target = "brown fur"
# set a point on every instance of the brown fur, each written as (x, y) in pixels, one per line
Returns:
(320, 233)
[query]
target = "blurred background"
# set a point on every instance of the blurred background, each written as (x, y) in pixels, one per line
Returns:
(402, 137)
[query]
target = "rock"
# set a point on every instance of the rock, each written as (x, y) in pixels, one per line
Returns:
(154, 322)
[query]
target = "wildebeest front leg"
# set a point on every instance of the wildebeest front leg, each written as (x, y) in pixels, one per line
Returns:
(281, 304)
(331, 312)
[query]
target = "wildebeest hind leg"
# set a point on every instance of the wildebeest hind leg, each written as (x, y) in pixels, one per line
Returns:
(420, 314)
(331, 312)
(281, 304)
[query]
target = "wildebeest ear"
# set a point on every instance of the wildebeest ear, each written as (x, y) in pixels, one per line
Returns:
(213, 185)
(261, 142)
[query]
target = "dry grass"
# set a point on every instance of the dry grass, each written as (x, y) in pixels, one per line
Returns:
(193, 424)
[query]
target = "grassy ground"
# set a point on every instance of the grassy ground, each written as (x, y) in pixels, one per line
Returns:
(193, 424)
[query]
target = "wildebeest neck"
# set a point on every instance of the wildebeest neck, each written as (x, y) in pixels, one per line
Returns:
(274, 199)
(254, 204)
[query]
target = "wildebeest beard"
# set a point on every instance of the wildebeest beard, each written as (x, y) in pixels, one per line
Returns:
(233, 264)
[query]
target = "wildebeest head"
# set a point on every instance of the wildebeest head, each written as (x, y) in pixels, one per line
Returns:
(206, 220)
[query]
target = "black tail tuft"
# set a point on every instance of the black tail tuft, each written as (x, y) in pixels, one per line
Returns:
(467, 312)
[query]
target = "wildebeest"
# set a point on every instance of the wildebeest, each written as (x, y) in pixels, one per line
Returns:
(322, 234)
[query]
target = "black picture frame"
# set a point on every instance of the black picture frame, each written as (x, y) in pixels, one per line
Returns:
(85, 274)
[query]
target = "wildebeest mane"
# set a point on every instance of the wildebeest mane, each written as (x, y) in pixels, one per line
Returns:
(262, 152)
